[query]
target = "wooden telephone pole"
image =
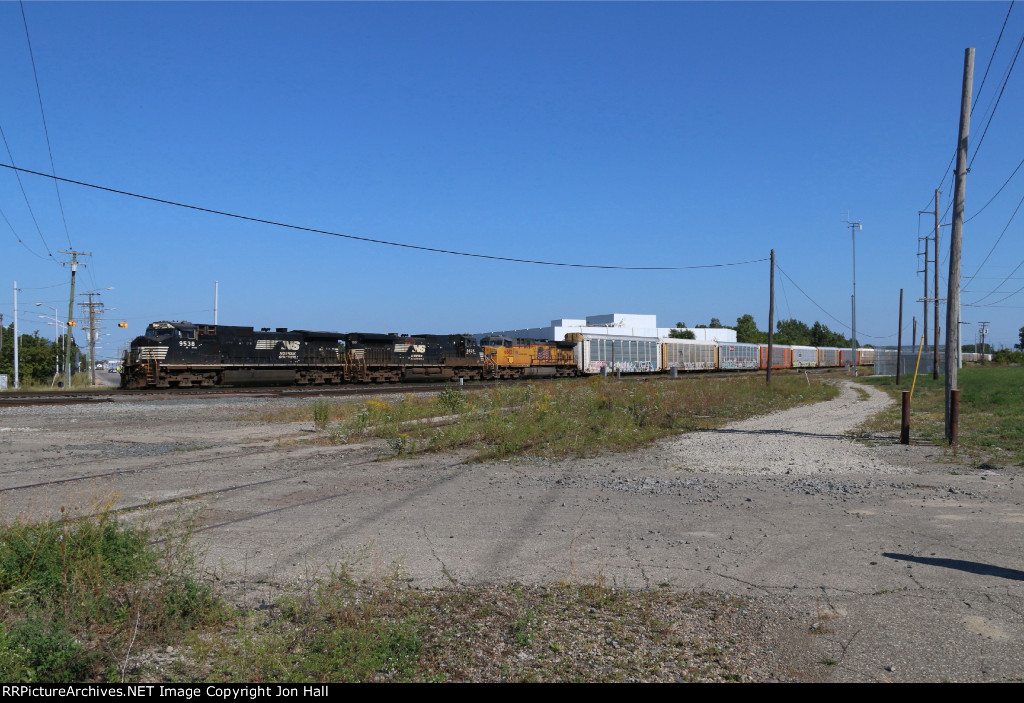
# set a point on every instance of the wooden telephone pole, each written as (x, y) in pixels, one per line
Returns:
(956, 242)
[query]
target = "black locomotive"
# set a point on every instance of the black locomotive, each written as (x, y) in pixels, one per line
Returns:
(388, 357)
(184, 355)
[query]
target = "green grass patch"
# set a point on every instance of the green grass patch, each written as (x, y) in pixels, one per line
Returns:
(579, 417)
(76, 595)
(991, 408)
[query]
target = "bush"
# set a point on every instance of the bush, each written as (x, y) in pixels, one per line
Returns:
(321, 415)
(1005, 356)
(75, 593)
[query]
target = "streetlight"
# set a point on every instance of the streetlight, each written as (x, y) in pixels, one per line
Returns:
(854, 226)
(56, 349)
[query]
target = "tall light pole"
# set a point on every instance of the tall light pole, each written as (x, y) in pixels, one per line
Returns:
(854, 226)
(56, 349)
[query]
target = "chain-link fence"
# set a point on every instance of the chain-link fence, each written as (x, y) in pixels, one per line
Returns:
(885, 361)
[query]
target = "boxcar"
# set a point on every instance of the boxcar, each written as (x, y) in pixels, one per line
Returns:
(829, 356)
(738, 355)
(688, 355)
(625, 354)
(805, 357)
(782, 356)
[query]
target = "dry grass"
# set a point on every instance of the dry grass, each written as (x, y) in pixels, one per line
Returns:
(346, 630)
(567, 418)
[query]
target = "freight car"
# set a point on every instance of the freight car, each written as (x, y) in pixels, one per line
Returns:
(183, 355)
(597, 352)
(689, 355)
(528, 358)
(380, 358)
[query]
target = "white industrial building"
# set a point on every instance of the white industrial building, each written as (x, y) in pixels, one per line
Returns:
(614, 324)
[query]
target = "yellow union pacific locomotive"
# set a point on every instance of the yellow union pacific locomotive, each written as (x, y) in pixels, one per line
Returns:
(520, 358)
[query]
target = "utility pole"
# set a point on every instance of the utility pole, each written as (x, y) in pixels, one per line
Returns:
(983, 331)
(956, 243)
(771, 318)
(92, 307)
(74, 263)
(899, 340)
(927, 259)
(935, 348)
(854, 226)
(216, 284)
(17, 382)
(924, 300)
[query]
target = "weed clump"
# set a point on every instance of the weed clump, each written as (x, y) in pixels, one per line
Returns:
(75, 593)
(321, 415)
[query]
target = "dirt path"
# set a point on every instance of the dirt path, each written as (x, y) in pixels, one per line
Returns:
(872, 562)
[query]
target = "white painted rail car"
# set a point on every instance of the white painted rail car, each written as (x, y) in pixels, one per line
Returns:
(688, 355)
(805, 357)
(865, 356)
(829, 356)
(623, 354)
(738, 355)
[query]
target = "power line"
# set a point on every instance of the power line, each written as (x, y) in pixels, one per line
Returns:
(981, 88)
(872, 336)
(975, 304)
(997, 192)
(24, 194)
(42, 114)
(992, 114)
(374, 241)
(18, 237)
(996, 243)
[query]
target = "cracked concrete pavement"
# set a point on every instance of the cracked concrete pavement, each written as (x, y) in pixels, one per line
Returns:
(876, 562)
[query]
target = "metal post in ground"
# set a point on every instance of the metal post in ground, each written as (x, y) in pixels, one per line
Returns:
(899, 340)
(954, 418)
(905, 419)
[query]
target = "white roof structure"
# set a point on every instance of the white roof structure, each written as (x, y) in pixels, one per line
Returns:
(616, 324)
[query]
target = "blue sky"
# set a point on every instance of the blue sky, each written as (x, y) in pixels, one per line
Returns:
(628, 134)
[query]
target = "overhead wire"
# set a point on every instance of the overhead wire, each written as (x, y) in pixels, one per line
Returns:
(24, 194)
(981, 88)
(42, 114)
(976, 303)
(30, 250)
(370, 240)
(1005, 183)
(996, 243)
(992, 114)
(46, 133)
(872, 336)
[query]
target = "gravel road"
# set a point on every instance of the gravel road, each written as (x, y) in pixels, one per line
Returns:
(862, 560)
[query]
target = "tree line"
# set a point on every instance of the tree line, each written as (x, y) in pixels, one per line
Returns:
(37, 356)
(790, 332)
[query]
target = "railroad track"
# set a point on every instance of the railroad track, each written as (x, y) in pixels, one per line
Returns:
(22, 398)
